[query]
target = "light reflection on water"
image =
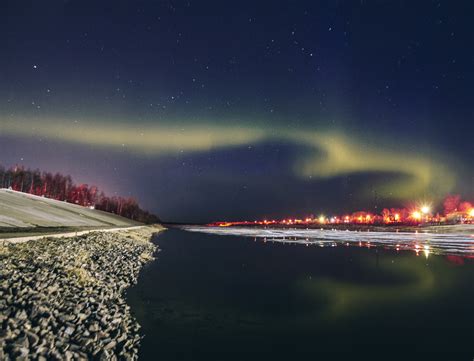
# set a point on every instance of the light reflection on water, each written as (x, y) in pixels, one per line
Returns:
(459, 244)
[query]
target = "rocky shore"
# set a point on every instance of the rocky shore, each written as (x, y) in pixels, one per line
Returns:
(63, 299)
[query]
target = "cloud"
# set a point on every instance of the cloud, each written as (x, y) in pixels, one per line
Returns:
(335, 153)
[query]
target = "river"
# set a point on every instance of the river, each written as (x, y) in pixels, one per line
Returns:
(214, 297)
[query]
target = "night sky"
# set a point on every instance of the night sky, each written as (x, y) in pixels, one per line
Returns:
(209, 110)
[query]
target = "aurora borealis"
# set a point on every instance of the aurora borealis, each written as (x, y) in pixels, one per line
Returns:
(208, 111)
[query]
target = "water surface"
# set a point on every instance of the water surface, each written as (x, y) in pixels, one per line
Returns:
(214, 297)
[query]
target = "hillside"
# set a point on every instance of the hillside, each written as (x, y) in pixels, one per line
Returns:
(21, 210)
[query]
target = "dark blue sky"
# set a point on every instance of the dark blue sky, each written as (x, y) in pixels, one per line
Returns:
(214, 109)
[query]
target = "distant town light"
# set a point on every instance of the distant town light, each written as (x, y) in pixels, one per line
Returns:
(425, 210)
(418, 215)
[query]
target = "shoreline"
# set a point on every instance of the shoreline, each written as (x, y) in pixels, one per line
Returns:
(431, 228)
(63, 296)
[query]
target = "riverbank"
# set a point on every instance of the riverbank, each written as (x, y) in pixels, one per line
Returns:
(63, 298)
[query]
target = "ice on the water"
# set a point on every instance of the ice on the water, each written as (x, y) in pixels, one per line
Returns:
(435, 243)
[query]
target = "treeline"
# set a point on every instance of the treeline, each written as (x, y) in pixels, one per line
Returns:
(61, 187)
(453, 204)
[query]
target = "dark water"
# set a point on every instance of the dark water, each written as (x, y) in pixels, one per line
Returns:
(211, 297)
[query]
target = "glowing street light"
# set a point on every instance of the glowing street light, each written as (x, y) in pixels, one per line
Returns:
(425, 210)
(416, 215)
(471, 213)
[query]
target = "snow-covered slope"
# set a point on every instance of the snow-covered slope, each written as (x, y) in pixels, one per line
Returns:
(25, 210)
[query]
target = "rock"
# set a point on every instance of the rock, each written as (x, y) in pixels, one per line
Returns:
(23, 353)
(104, 356)
(94, 327)
(110, 345)
(121, 338)
(68, 355)
(33, 339)
(21, 315)
(81, 317)
(22, 342)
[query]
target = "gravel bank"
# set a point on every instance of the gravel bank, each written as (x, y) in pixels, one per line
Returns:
(64, 298)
